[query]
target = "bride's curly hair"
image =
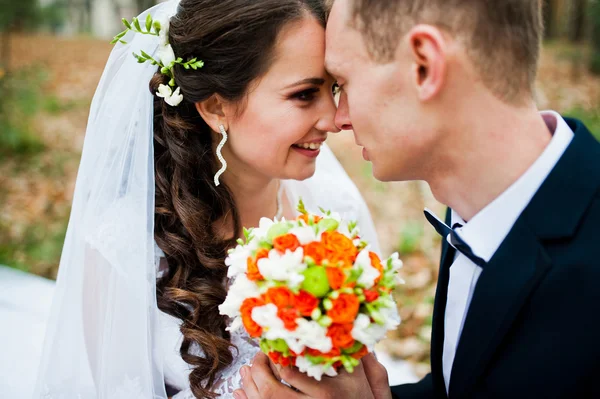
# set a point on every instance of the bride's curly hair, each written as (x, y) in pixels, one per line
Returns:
(236, 41)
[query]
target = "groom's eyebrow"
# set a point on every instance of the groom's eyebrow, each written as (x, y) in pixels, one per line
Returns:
(313, 81)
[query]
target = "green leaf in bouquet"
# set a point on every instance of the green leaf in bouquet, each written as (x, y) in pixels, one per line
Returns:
(349, 363)
(278, 229)
(375, 314)
(352, 225)
(316, 281)
(265, 244)
(354, 275)
(325, 321)
(315, 359)
(264, 346)
(354, 348)
(280, 346)
(328, 224)
(316, 314)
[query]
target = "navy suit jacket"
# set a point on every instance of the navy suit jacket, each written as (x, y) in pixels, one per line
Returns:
(533, 327)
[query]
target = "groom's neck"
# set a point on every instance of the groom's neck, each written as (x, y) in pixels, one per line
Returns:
(486, 152)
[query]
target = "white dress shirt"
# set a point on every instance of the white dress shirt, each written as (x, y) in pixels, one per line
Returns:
(485, 232)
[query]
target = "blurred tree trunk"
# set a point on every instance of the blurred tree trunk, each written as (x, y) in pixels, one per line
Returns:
(549, 10)
(143, 5)
(577, 22)
(5, 50)
(595, 21)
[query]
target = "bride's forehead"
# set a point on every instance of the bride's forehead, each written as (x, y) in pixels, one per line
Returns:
(299, 50)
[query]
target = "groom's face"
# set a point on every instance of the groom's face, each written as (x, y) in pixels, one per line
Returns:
(378, 101)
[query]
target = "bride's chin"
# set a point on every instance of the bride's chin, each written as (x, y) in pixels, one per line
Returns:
(301, 172)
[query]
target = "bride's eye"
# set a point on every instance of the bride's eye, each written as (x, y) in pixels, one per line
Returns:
(306, 95)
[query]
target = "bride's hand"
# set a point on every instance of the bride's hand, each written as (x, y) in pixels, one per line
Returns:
(368, 381)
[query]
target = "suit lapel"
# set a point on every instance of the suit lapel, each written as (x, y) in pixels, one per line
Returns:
(502, 289)
(439, 309)
(522, 261)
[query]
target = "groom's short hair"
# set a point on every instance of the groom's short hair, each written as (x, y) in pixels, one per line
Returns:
(502, 37)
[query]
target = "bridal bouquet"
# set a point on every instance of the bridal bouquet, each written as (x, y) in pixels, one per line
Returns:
(312, 292)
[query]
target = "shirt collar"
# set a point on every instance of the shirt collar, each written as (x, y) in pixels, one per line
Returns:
(487, 229)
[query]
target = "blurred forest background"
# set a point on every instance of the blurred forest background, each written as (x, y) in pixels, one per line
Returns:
(52, 54)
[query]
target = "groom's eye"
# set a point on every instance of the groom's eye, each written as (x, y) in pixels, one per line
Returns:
(306, 95)
(335, 89)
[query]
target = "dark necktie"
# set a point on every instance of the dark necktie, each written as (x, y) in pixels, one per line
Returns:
(444, 230)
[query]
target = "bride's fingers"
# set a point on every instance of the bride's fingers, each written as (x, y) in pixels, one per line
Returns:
(249, 389)
(259, 382)
(303, 382)
(240, 394)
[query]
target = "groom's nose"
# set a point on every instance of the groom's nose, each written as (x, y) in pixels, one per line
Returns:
(342, 115)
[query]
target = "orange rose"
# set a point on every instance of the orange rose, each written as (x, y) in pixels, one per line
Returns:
(336, 277)
(362, 352)
(253, 329)
(306, 303)
(341, 335)
(253, 272)
(371, 295)
(288, 316)
(344, 309)
(316, 251)
(286, 242)
(333, 353)
(278, 358)
(285, 300)
(377, 265)
(339, 248)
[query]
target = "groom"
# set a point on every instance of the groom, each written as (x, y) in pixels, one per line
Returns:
(443, 91)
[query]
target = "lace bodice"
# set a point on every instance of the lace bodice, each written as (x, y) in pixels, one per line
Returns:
(230, 379)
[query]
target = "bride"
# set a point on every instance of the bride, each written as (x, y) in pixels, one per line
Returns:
(168, 178)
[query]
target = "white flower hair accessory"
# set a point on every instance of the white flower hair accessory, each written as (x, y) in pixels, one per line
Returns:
(165, 54)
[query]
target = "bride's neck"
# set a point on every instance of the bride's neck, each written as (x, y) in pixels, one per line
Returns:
(254, 198)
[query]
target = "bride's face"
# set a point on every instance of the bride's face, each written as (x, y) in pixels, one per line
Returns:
(287, 112)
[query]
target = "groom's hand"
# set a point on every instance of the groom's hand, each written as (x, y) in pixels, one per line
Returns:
(369, 380)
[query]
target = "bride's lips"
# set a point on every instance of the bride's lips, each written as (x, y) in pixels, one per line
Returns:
(310, 149)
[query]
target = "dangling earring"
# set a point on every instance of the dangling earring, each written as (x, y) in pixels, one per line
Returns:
(220, 156)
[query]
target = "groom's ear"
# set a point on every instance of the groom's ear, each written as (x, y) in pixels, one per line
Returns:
(428, 49)
(214, 111)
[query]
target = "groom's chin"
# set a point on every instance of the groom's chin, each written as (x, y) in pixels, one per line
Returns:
(381, 174)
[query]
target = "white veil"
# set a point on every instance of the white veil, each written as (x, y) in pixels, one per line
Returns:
(100, 335)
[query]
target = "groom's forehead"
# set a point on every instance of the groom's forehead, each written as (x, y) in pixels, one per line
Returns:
(336, 35)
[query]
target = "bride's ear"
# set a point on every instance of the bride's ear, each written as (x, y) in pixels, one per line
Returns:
(214, 111)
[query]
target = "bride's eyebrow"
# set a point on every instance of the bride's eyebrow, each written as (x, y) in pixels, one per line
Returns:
(313, 81)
